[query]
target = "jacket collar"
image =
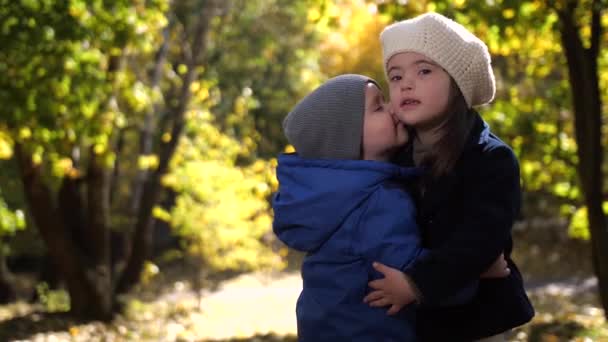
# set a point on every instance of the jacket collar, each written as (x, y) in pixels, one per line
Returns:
(479, 135)
(436, 191)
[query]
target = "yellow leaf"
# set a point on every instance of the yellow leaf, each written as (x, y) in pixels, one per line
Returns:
(6, 150)
(508, 13)
(37, 158)
(146, 162)
(74, 331)
(62, 166)
(161, 214)
(283, 251)
(195, 86)
(25, 133)
(99, 148)
(314, 14)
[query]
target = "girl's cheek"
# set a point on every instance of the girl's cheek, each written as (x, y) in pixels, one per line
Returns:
(400, 116)
(393, 93)
(394, 103)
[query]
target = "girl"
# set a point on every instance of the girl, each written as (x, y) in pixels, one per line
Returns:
(470, 196)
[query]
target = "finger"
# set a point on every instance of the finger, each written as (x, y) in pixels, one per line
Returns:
(503, 273)
(395, 308)
(382, 268)
(381, 302)
(500, 260)
(375, 295)
(377, 284)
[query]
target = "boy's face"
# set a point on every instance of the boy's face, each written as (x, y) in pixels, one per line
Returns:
(420, 90)
(383, 133)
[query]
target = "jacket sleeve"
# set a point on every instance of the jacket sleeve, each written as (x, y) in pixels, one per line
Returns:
(387, 231)
(481, 232)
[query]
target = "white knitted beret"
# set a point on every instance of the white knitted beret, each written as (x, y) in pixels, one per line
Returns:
(464, 56)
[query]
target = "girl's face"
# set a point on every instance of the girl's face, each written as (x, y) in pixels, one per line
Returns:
(383, 133)
(420, 90)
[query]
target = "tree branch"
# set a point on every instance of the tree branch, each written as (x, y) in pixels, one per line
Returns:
(596, 28)
(142, 238)
(118, 148)
(146, 135)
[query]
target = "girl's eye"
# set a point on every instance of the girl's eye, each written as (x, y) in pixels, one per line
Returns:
(424, 71)
(395, 78)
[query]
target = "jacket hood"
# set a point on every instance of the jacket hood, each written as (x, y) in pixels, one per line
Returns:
(316, 195)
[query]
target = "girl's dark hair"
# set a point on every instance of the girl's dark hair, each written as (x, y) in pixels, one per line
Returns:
(454, 133)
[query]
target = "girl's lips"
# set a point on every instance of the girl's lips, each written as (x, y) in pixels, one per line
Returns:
(409, 103)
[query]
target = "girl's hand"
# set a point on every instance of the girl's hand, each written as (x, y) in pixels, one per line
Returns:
(394, 289)
(499, 269)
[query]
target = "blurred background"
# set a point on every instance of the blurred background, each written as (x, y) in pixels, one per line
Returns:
(138, 145)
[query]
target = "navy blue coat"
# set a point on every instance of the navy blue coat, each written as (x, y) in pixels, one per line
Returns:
(466, 218)
(345, 215)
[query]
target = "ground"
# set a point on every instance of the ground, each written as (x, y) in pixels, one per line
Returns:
(260, 306)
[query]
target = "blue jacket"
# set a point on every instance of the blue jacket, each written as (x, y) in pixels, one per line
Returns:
(466, 218)
(346, 214)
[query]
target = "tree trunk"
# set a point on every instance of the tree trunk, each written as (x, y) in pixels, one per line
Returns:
(7, 289)
(66, 255)
(98, 207)
(584, 84)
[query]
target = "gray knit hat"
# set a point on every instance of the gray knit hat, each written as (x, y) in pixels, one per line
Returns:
(328, 122)
(449, 44)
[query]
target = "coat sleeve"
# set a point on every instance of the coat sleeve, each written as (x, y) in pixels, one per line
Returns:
(481, 232)
(387, 231)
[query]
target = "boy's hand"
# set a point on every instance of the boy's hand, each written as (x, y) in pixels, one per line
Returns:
(499, 269)
(394, 290)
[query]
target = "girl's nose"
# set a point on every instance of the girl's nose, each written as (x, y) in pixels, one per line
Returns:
(407, 83)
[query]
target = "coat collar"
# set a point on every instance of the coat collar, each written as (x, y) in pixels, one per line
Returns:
(479, 135)
(437, 191)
